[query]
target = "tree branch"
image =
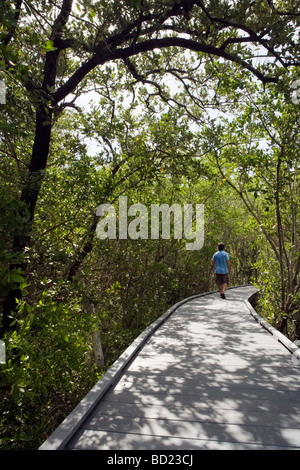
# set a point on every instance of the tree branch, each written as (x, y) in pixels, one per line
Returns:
(103, 55)
(14, 24)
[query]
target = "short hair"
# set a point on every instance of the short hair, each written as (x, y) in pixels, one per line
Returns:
(221, 246)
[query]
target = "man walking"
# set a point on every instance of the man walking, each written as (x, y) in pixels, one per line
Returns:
(222, 267)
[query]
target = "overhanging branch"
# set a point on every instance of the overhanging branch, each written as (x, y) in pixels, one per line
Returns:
(104, 54)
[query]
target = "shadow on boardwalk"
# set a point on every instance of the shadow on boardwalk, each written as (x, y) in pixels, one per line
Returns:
(209, 378)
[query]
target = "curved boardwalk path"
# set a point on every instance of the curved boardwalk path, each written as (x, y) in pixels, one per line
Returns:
(206, 375)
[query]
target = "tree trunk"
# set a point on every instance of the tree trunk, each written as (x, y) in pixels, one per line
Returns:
(297, 325)
(97, 349)
(38, 163)
(96, 338)
(29, 196)
(282, 325)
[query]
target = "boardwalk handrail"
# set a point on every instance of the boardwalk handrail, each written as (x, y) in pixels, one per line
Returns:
(289, 345)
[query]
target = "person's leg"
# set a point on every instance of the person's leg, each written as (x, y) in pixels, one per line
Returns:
(223, 286)
(219, 283)
(221, 289)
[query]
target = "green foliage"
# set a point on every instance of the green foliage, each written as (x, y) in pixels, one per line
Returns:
(13, 215)
(46, 371)
(269, 287)
(257, 156)
(165, 125)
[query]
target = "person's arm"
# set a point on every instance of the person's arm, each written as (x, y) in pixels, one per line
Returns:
(228, 265)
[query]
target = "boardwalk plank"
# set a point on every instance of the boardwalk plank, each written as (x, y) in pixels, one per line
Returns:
(200, 413)
(102, 440)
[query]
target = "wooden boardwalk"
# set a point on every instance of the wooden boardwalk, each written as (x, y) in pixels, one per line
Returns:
(206, 376)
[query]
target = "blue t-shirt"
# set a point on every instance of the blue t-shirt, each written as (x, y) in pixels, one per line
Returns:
(220, 258)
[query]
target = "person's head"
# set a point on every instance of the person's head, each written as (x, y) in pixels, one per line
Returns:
(221, 246)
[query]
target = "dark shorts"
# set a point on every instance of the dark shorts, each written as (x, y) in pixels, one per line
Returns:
(222, 279)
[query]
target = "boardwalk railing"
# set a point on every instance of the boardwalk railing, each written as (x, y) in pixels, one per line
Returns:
(291, 347)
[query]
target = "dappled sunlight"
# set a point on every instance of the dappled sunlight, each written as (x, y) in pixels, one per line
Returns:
(209, 378)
